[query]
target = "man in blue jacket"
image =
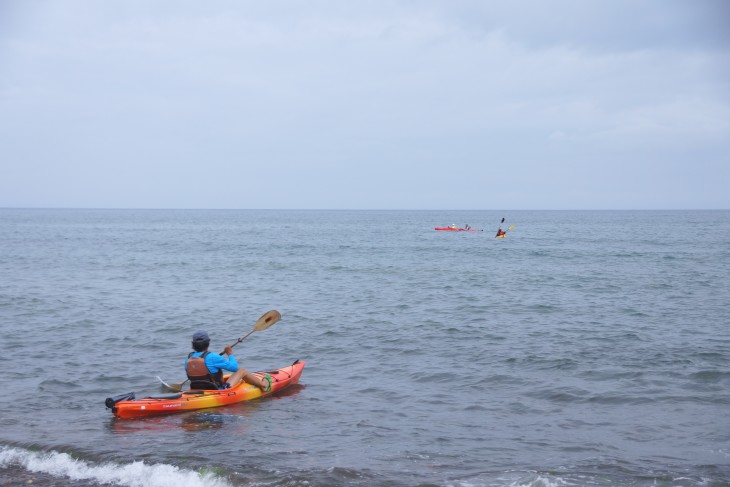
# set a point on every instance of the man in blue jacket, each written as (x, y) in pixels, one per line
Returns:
(205, 369)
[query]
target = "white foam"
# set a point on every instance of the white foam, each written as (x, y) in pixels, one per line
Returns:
(135, 474)
(539, 481)
(531, 480)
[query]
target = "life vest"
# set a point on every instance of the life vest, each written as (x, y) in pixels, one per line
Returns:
(198, 371)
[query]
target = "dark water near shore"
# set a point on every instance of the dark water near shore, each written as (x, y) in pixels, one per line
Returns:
(586, 349)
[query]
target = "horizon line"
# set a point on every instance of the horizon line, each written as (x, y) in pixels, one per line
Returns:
(343, 209)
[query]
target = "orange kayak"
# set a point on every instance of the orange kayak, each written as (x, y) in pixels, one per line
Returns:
(126, 406)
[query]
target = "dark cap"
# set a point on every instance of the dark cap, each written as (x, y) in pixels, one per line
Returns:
(200, 335)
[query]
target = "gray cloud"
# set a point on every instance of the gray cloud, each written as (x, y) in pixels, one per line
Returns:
(365, 104)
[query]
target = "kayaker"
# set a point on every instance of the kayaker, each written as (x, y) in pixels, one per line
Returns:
(453, 225)
(204, 366)
(500, 232)
(466, 225)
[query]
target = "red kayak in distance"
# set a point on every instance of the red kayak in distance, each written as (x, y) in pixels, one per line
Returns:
(450, 229)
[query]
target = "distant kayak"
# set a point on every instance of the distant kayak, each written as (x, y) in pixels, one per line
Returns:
(503, 234)
(449, 229)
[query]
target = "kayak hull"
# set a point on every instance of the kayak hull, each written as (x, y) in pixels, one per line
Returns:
(202, 399)
(501, 236)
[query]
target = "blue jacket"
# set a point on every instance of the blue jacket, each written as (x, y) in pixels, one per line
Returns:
(215, 362)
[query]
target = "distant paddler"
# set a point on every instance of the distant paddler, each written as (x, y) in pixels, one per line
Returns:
(503, 233)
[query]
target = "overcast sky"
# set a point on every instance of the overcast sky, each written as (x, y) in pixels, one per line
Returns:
(441, 104)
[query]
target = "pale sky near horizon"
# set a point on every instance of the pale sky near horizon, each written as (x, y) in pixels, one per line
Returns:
(324, 104)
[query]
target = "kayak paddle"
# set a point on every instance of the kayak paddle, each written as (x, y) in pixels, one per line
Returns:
(266, 320)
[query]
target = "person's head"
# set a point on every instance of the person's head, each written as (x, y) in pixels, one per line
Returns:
(201, 340)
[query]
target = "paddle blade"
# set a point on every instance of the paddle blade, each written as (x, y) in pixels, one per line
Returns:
(268, 319)
(511, 227)
(177, 387)
(171, 387)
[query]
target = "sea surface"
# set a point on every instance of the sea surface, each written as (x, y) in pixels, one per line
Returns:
(588, 348)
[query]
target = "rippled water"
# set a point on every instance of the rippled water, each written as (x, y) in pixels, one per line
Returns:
(587, 348)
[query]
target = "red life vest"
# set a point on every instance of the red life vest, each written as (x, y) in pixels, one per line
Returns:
(198, 371)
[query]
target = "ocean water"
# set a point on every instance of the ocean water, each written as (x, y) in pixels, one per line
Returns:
(589, 348)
